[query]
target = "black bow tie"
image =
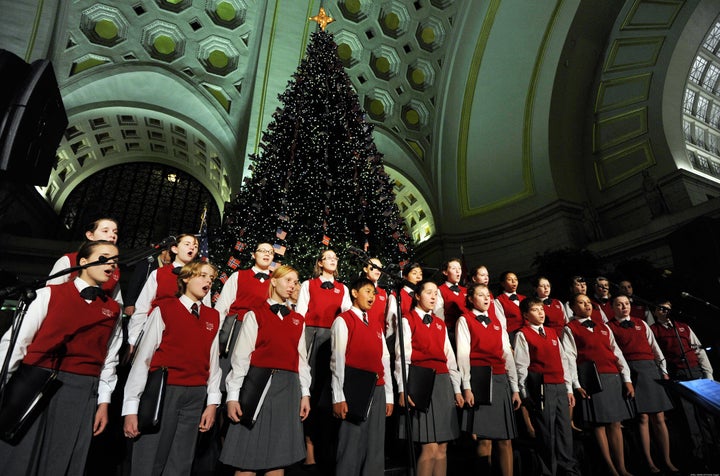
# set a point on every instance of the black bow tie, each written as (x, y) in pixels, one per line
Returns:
(92, 292)
(427, 319)
(261, 276)
(327, 285)
(483, 319)
(411, 294)
(454, 288)
(281, 308)
(547, 301)
(589, 324)
(603, 300)
(513, 297)
(627, 324)
(176, 270)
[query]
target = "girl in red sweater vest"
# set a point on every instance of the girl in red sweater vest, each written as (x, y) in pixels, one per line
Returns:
(426, 344)
(72, 327)
(271, 337)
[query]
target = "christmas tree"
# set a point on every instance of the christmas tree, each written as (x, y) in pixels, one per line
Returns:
(318, 181)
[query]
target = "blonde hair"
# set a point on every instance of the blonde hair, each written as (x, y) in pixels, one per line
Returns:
(189, 271)
(279, 272)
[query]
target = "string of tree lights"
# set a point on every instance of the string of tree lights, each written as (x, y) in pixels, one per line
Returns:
(318, 181)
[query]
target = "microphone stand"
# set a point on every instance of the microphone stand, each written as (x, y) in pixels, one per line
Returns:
(396, 285)
(27, 295)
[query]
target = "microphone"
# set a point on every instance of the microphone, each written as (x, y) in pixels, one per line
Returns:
(169, 240)
(105, 259)
(690, 296)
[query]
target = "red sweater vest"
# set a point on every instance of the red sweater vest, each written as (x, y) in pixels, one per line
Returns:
(276, 345)
(632, 341)
(250, 294)
(637, 310)
(454, 304)
(108, 286)
(76, 332)
(545, 355)
(428, 342)
(406, 301)
(324, 304)
(554, 315)
(364, 345)
(167, 285)
(513, 316)
(668, 342)
(594, 345)
(377, 311)
(605, 306)
(186, 342)
(486, 342)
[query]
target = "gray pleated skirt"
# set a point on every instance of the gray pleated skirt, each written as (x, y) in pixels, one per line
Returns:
(58, 441)
(495, 421)
(440, 423)
(276, 440)
(607, 406)
(650, 396)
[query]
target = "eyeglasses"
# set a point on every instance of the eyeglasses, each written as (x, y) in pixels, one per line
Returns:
(265, 252)
(329, 258)
(664, 309)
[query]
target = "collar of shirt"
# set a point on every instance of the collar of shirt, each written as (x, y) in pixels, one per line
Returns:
(666, 325)
(178, 264)
(509, 294)
(480, 313)
(81, 284)
(448, 284)
(535, 328)
(407, 289)
(258, 270)
(326, 280)
(357, 312)
(421, 312)
(187, 302)
(621, 319)
(581, 319)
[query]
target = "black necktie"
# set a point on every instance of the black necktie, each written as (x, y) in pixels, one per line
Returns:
(195, 310)
(603, 300)
(454, 288)
(281, 308)
(327, 285)
(589, 324)
(427, 319)
(365, 320)
(513, 297)
(627, 324)
(261, 276)
(92, 292)
(411, 294)
(547, 301)
(483, 319)
(541, 332)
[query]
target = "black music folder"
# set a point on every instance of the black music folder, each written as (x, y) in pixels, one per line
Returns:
(359, 388)
(481, 379)
(535, 388)
(151, 401)
(421, 381)
(24, 397)
(589, 377)
(252, 394)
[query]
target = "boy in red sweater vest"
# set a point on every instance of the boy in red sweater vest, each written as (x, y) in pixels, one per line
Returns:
(538, 349)
(357, 341)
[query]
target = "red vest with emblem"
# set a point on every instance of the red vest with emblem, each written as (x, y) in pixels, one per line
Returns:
(545, 355)
(324, 304)
(364, 345)
(594, 345)
(428, 342)
(276, 346)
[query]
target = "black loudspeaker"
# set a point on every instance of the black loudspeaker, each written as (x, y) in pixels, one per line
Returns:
(33, 120)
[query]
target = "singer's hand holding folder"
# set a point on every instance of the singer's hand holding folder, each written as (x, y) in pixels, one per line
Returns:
(252, 394)
(359, 388)
(421, 381)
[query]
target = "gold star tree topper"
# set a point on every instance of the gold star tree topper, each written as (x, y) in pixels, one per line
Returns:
(322, 19)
